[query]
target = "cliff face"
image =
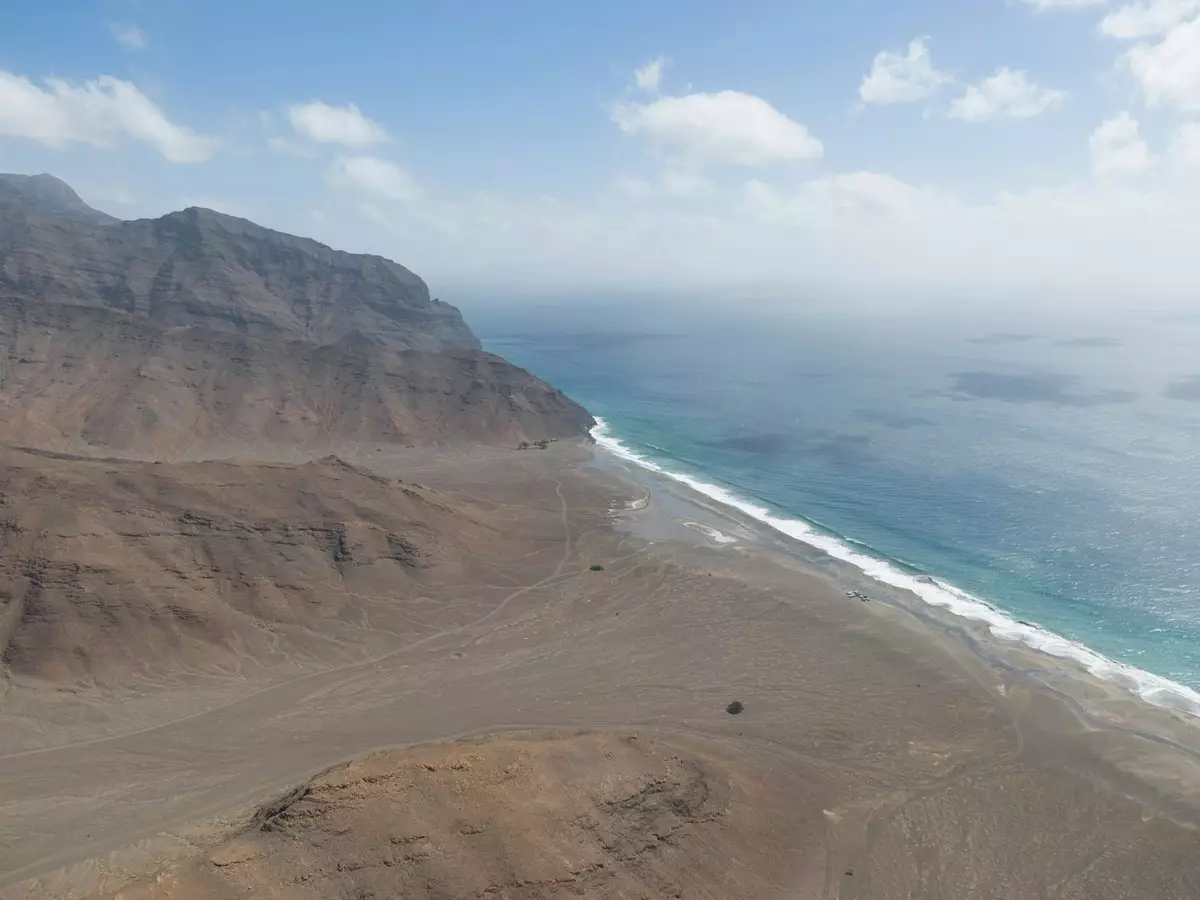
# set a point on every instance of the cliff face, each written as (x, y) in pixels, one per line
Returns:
(201, 267)
(203, 334)
(91, 380)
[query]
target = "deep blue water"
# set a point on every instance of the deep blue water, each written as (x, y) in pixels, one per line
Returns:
(1049, 464)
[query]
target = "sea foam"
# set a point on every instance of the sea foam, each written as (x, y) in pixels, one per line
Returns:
(1151, 688)
(717, 537)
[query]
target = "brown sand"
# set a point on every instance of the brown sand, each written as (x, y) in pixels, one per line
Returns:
(876, 757)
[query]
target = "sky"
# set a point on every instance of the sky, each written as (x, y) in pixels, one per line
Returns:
(1047, 148)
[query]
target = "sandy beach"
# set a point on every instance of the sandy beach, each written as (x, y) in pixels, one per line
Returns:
(885, 750)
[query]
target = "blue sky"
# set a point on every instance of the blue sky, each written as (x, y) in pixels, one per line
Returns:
(1045, 144)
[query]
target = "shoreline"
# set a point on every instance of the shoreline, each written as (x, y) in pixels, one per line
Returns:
(1148, 687)
(897, 736)
(1094, 703)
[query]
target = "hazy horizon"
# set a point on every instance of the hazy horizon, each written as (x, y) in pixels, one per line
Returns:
(1030, 145)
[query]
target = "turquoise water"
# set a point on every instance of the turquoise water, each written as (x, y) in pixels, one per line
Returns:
(1047, 466)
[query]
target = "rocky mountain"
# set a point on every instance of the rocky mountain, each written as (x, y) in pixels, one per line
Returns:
(199, 267)
(202, 334)
(130, 352)
(95, 381)
(51, 196)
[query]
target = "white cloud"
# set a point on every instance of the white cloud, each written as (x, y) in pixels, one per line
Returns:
(128, 35)
(649, 76)
(1148, 18)
(678, 180)
(97, 112)
(377, 176)
(1185, 148)
(727, 127)
(1046, 5)
(861, 198)
(633, 187)
(1169, 71)
(1102, 238)
(1118, 149)
(902, 78)
(1008, 93)
(324, 124)
(681, 180)
(374, 213)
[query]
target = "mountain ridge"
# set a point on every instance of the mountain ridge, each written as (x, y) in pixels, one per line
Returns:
(52, 196)
(202, 333)
(199, 266)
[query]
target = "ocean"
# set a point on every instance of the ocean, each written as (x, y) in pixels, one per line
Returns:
(1036, 471)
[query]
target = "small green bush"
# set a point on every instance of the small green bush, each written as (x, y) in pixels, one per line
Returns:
(597, 568)
(735, 708)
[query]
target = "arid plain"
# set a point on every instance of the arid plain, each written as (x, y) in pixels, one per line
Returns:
(564, 732)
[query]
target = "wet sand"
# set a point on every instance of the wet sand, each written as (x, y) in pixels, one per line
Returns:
(919, 758)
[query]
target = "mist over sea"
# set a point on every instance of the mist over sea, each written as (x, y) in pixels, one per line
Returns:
(1046, 463)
